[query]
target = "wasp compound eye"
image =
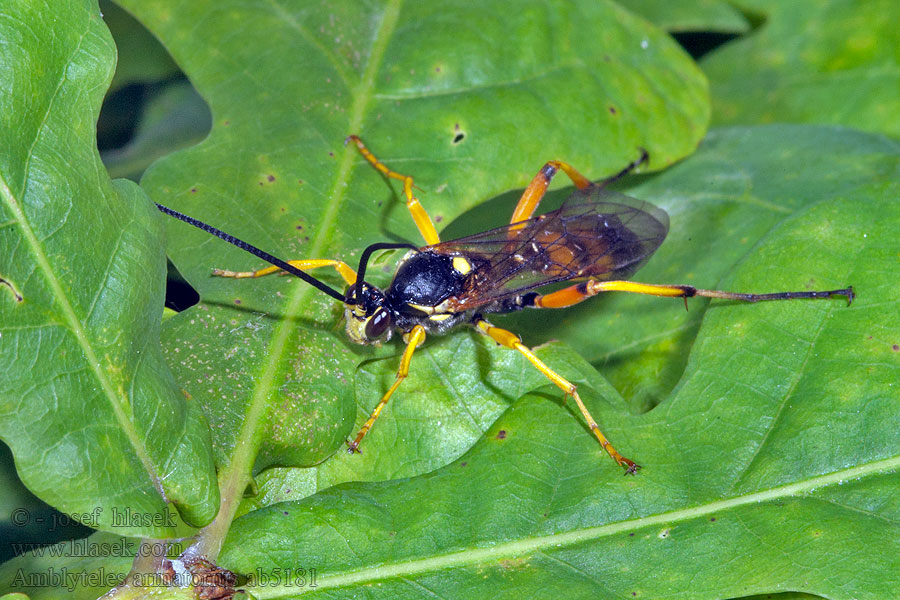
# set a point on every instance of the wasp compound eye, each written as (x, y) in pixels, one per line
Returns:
(378, 324)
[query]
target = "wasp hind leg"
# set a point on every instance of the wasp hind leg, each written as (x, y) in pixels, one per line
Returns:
(510, 340)
(587, 289)
(413, 339)
(343, 269)
(420, 217)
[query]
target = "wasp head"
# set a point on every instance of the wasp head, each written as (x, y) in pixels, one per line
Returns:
(369, 319)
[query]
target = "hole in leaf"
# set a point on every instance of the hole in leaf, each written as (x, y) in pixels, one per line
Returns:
(180, 295)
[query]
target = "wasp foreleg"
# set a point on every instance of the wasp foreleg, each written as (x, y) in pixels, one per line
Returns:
(413, 340)
(345, 271)
(420, 217)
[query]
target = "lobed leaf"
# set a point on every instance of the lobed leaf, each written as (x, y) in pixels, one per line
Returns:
(433, 97)
(765, 470)
(87, 405)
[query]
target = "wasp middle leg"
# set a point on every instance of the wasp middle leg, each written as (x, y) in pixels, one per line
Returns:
(510, 340)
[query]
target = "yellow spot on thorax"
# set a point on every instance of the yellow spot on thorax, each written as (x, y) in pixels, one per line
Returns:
(461, 265)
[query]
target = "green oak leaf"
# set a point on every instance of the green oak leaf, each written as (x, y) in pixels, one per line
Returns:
(470, 115)
(833, 62)
(92, 414)
(721, 201)
(773, 449)
(779, 434)
(770, 467)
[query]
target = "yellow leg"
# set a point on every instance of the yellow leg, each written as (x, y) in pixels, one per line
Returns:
(413, 339)
(512, 341)
(341, 267)
(535, 191)
(420, 217)
(586, 289)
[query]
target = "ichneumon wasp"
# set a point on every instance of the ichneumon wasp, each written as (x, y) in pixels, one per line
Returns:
(597, 238)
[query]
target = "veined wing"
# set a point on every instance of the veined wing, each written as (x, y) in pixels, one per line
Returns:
(596, 233)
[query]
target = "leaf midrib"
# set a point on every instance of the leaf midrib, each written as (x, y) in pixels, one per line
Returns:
(527, 546)
(236, 474)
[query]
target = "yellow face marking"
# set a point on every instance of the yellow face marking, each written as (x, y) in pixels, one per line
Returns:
(440, 317)
(461, 265)
(355, 320)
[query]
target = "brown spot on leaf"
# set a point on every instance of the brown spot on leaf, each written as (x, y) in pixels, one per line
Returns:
(12, 289)
(501, 435)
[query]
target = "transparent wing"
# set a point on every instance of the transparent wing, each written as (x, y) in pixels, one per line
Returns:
(595, 233)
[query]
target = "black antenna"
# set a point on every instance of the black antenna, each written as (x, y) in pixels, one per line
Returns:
(253, 250)
(364, 260)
